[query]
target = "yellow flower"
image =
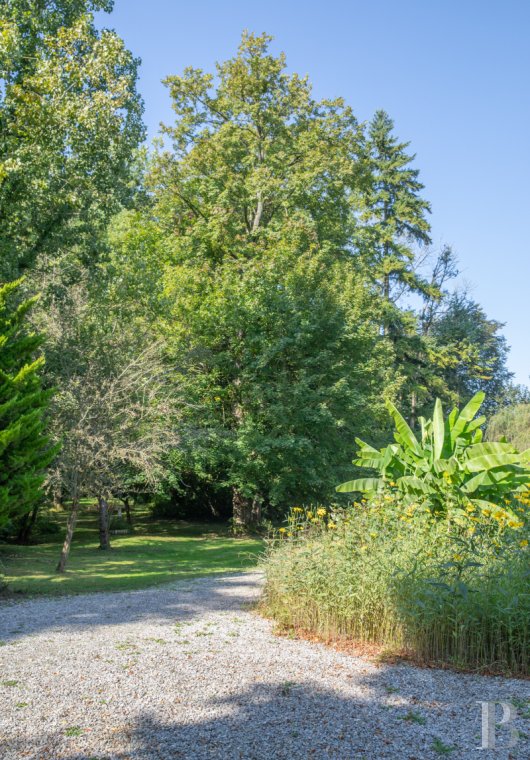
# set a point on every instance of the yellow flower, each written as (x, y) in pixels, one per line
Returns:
(331, 525)
(309, 515)
(321, 512)
(515, 524)
(283, 530)
(297, 510)
(217, 398)
(457, 558)
(523, 543)
(300, 527)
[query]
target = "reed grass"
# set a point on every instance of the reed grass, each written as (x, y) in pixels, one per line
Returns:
(445, 593)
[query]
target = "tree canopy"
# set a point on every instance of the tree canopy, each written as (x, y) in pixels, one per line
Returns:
(271, 247)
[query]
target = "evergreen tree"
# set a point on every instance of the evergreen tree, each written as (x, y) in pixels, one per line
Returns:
(395, 214)
(24, 448)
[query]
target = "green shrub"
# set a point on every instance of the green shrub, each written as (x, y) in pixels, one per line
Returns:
(387, 572)
(512, 423)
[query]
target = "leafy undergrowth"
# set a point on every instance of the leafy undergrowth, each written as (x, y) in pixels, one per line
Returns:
(157, 552)
(386, 575)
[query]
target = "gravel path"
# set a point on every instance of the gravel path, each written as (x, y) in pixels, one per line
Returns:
(189, 671)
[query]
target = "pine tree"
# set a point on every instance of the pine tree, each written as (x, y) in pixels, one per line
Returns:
(24, 448)
(395, 213)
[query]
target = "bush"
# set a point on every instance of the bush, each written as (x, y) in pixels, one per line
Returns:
(387, 572)
(512, 423)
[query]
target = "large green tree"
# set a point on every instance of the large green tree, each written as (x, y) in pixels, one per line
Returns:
(394, 214)
(70, 122)
(251, 149)
(476, 350)
(25, 451)
(280, 366)
(272, 317)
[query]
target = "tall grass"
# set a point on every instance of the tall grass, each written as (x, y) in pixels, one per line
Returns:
(380, 573)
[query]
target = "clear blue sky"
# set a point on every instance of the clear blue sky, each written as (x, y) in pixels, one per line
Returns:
(453, 75)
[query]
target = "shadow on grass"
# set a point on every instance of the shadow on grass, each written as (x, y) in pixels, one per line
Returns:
(156, 553)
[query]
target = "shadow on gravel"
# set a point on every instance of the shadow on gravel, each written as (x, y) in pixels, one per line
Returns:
(179, 602)
(296, 721)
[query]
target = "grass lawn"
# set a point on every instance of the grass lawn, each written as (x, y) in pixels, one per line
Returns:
(157, 552)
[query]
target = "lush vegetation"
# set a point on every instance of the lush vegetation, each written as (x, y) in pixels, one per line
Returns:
(449, 469)
(513, 424)
(208, 324)
(157, 551)
(385, 572)
(421, 566)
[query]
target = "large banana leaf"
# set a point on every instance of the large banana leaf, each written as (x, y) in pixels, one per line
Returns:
(361, 484)
(409, 483)
(484, 449)
(405, 435)
(490, 461)
(467, 414)
(438, 429)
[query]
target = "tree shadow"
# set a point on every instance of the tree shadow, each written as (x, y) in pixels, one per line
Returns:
(290, 721)
(180, 601)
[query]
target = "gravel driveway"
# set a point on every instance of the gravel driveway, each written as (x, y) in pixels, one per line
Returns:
(189, 671)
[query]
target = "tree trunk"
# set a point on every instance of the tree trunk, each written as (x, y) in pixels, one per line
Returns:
(57, 498)
(413, 404)
(69, 535)
(246, 513)
(127, 511)
(104, 535)
(27, 524)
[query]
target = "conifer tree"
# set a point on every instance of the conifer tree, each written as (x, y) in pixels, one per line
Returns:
(24, 448)
(395, 214)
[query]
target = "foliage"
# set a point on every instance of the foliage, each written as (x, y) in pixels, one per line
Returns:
(25, 450)
(513, 424)
(251, 150)
(114, 409)
(272, 373)
(476, 351)
(386, 572)
(273, 321)
(70, 122)
(449, 468)
(394, 213)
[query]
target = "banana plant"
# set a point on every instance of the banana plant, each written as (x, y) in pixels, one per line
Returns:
(447, 465)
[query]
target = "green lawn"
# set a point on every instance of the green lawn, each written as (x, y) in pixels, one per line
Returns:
(157, 552)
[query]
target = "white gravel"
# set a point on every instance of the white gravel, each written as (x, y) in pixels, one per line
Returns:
(189, 671)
